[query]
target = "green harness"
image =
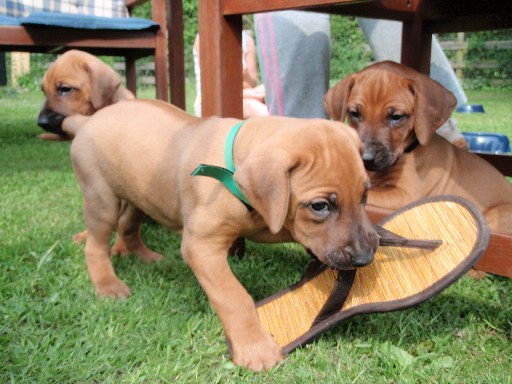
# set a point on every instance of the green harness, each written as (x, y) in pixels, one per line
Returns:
(225, 175)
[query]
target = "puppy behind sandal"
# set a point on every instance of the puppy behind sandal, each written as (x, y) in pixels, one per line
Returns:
(396, 111)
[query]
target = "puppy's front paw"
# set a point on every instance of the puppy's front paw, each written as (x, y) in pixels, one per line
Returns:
(113, 288)
(260, 355)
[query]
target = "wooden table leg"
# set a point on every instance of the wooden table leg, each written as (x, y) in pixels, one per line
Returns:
(220, 54)
(416, 43)
(131, 74)
(161, 56)
(176, 49)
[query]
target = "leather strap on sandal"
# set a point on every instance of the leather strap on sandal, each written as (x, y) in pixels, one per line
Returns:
(345, 278)
(339, 294)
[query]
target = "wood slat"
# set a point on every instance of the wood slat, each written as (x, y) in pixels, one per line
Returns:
(502, 163)
(48, 39)
(237, 7)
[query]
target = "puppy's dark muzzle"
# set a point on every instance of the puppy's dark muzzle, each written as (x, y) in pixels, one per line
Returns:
(358, 253)
(361, 259)
(376, 157)
(369, 159)
(51, 121)
(350, 259)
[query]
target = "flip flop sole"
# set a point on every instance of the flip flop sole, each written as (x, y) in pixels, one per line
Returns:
(398, 278)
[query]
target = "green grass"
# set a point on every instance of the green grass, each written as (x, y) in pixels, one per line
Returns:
(497, 116)
(54, 330)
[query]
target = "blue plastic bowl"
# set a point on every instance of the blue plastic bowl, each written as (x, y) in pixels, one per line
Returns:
(471, 108)
(487, 142)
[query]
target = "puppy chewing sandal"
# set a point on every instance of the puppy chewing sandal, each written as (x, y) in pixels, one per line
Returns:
(424, 247)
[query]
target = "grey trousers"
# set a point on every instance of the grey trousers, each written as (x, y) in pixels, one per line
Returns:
(385, 40)
(294, 53)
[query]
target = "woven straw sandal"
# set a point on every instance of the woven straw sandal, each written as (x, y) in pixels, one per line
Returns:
(424, 247)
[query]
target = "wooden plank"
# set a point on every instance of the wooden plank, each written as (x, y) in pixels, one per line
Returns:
(221, 61)
(497, 259)
(471, 23)
(416, 43)
(49, 40)
(176, 49)
(378, 9)
(456, 45)
(237, 7)
(161, 57)
(490, 64)
(502, 163)
(454, 10)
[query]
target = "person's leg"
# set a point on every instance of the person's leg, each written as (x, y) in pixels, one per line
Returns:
(385, 40)
(294, 53)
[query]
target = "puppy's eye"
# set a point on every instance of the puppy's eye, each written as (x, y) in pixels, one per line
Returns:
(365, 198)
(64, 90)
(354, 114)
(396, 118)
(320, 208)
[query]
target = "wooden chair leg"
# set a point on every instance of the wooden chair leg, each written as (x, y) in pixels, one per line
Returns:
(161, 81)
(176, 51)
(131, 74)
(221, 73)
(161, 57)
(416, 44)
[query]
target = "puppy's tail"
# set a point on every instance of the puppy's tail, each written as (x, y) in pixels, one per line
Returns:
(72, 124)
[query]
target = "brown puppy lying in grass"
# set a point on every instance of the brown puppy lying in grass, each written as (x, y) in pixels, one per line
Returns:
(396, 111)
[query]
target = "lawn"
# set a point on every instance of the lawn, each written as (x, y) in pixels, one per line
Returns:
(498, 115)
(54, 330)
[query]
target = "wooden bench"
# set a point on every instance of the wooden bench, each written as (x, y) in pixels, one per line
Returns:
(220, 21)
(129, 37)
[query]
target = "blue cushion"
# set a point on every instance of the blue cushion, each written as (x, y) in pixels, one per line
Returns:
(8, 20)
(11, 8)
(68, 20)
(485, 142)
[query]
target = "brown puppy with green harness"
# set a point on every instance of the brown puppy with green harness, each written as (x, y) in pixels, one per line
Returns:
(303, 179)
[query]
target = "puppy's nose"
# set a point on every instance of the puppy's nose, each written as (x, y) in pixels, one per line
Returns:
(50, 122)
(362, 251)
(42, 120)
(369, 155)
(359, 258)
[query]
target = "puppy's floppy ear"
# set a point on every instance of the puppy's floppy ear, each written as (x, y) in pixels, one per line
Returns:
(433, 106)
(336, 98)
(264, 179)
(104, 82)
